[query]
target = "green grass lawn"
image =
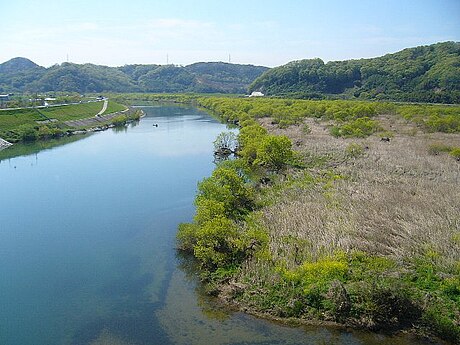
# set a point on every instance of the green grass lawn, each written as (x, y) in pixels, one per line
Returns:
(80, 111)
(10, 119)
(113, 107)
(13, 121)
(73, 112)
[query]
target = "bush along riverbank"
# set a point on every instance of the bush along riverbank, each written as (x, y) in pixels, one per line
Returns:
(326, 232)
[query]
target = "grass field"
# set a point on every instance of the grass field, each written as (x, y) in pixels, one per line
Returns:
(14, 122)
(10, 119)
(73, 112)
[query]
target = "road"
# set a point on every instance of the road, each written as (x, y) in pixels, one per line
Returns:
(50, 105)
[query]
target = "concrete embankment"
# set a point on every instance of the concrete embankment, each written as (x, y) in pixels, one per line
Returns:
(93, 121)
(4, 144)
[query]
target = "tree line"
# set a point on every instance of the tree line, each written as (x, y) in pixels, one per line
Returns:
(422, 74)
(22, 75)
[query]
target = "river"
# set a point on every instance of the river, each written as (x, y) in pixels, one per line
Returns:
(87, 237)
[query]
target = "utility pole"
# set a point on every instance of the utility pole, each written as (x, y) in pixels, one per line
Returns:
(229, 59)
(167, 59)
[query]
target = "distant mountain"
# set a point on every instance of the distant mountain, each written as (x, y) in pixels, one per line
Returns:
(82, 78)
(23, 75)
(17, 64)
(18, 72)
(226, 76)
(424, 74)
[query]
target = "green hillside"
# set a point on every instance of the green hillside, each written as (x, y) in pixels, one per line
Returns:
(28, 124)
(422, 74)
(22, 75)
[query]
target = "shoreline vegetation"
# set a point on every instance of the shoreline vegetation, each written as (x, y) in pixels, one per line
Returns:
(334, 212)
(31, 124)
(331, 212)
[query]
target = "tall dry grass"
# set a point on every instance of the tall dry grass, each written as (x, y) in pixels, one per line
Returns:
(395, 200)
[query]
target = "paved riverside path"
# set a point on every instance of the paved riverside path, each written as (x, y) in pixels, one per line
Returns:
(104, 107)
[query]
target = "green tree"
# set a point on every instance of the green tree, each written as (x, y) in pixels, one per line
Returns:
(249, 139)
(274, 152)
(27, 132)
(225, 186)
(217, 244)
(120, 120)
(208, 209)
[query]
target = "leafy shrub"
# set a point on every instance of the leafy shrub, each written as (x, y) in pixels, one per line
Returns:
(249, 139)
(225, 186)
(354, 150)
(45, 132)
(208, 209)
(274, 152)
(28, 132)
(317, 273)
(187, 236)
(441, 320)
(136, 115)
(446, 124)
(120, 120)
(384, 303)
(306, 129)
(432, 118)
(455, 153)
(214, 238)
(216, 244)
(360, 128)
(437, 148)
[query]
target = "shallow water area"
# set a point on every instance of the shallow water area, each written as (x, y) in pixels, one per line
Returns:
(87, 233)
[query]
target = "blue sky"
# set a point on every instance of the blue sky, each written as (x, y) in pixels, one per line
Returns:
(264, 32)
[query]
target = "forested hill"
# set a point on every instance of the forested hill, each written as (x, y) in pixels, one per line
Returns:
(422, 74)
(23, 75)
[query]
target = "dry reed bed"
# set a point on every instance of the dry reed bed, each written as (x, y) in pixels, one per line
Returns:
(395, 200)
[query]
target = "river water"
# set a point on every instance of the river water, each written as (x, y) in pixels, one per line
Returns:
(87, 235)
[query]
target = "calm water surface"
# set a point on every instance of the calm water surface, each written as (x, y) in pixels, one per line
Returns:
(87, 243)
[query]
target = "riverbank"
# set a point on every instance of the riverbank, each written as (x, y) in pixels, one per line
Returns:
(351, 220)
(25, 125)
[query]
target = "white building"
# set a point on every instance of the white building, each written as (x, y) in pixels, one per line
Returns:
(256, 94)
